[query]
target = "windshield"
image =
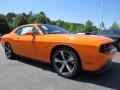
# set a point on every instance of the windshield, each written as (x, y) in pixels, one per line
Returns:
(51, 29)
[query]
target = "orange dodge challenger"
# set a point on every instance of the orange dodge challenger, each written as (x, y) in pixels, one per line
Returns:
(66, 52)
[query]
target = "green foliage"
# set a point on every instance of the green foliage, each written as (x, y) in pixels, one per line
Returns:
(69, 26)
(4, 28)
(32, 19)
(115, 26)
(2, 19)
(13, 20)
(10, 15)
(19, 20)
(41, 18)
(94, 29)
(89, 27)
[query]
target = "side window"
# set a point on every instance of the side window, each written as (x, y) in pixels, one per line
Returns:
(18, 31)
(25, 30)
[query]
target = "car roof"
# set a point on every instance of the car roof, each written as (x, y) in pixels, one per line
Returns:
(31, 24)
(35, 24)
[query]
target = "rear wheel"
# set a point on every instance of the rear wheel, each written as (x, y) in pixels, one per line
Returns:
(65, 62)
(8, 51)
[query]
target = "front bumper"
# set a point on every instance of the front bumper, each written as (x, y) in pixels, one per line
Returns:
(105, 68)
(100, 61)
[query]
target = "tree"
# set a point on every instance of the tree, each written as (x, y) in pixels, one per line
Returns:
(78, 27)
(32, 19)
(88, 26)
(81, 27)
(3, 18)
(4, 27)
(48, 20)
(115, 26)
(13, 20)
(59, 23)
(20, 20)
(30, 14)
(11, 15)
(95, 29)
(71, 27)
(41, 18)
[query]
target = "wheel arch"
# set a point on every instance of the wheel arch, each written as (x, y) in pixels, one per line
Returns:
(58, 46)
(7, 43)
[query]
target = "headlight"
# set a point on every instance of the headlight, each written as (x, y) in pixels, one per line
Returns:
(106, 47)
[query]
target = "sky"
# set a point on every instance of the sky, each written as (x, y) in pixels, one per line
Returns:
(77, 11)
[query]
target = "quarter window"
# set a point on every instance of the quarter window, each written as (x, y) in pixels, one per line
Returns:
(18, 31)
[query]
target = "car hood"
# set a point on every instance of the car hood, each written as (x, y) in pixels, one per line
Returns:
(78, 39)
(92, 39)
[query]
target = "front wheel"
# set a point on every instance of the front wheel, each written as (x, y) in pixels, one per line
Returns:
(65, 62)
(118, 47)
(8, 51)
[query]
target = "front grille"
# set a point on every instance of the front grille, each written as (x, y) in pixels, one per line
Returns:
(106, 47)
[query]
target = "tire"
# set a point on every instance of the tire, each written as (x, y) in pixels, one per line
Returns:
(8, 51)
(118, 46)
(65, 62)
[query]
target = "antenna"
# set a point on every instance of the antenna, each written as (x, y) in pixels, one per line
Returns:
(102, 14)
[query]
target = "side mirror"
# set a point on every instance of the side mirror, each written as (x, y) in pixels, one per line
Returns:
(30, 33)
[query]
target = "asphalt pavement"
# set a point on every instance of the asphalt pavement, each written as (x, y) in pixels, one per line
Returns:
(24, 74)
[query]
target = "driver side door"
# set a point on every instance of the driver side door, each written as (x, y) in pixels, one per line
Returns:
(24, 44)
